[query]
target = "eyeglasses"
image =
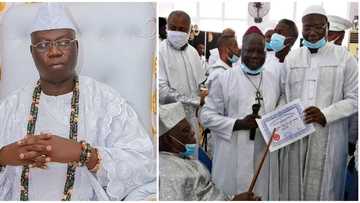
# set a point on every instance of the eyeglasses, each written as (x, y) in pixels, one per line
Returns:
(316, 28)
(62, 44)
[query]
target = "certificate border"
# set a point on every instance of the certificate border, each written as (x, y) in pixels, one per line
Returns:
(306, 131)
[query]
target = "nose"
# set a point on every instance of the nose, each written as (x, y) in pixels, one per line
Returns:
(312, 35)
(54, 52)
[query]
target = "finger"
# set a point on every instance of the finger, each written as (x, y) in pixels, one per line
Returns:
(40, 163)
(43, 149)
(28, 155)
(44, 136)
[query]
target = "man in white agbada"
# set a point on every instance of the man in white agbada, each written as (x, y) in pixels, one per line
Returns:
(325, 77)
(106, 137)
(180, 71)
(228, 114)
(181, 176)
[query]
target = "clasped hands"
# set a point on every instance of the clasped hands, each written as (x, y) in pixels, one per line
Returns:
(38, 150)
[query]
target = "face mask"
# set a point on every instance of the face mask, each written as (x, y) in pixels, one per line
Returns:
(277, 42)
(316, 45)
(177, 39)
(233, 59)
(267, 46)
(189, 148)
(249, 71)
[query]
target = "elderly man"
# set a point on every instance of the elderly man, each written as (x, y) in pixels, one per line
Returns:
(324, 76)
(69, 137)
(181, 177)
(228, 114)
(180, 71)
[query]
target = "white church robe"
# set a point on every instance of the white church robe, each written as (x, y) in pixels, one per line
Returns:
(106, 122)
(180, 74)
(215, 70)
(236, 157)
(313, 168)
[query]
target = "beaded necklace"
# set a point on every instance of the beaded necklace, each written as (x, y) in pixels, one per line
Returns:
(74, 119)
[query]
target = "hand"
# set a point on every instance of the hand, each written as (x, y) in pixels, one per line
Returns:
(314, 115)
(62, 150)
(25, 152)
(246, 196)
(246, 123)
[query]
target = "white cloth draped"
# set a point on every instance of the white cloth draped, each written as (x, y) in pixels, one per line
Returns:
(314, 167)
(107, 122)
(231, 97)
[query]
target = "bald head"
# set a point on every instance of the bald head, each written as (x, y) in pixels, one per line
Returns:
(179, 21)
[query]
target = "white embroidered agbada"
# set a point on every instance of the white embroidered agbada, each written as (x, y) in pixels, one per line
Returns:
(231, 97)
(106, 121)
(314, 167)
(180, 74)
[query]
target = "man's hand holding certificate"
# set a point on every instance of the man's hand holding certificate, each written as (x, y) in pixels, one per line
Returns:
(288, 120)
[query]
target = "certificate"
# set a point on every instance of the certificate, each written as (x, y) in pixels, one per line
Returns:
(289, 124)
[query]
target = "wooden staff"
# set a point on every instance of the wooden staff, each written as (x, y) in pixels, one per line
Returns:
(252, 185)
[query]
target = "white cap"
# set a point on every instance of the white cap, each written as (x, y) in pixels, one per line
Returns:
(52, 16)
(338, 23)
(169, 116)
(314, 9)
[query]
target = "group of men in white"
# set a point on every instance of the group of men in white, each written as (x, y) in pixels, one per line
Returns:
(270, 72)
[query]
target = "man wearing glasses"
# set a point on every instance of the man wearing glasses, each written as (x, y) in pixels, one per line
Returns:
(324, 76)
(69, 137)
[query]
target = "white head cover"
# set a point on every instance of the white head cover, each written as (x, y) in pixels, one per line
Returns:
(314, 9)
(52, 16)
(169, 116)
(338, 23)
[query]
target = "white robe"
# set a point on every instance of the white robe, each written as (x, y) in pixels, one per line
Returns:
(231, 97)
(215, 70)
(180, 74)
(107, 122)
(185, 180)
(313, 168)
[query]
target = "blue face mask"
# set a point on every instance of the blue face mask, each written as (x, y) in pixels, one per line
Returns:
(233, 59)
(249, 71)
(267, 45)
(277, 42)
(316, 45)
(189, 148)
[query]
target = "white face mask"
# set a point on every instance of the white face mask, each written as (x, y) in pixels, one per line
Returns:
(177, 39)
